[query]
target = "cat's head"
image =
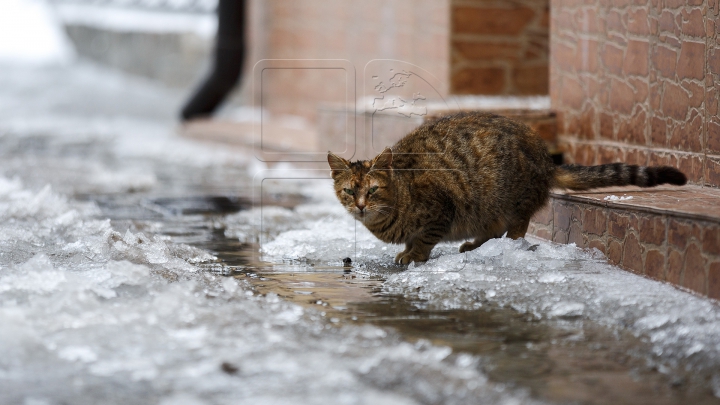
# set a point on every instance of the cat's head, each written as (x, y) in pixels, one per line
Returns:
(364, 187)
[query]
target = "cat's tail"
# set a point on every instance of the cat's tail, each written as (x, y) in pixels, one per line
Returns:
(580, 178)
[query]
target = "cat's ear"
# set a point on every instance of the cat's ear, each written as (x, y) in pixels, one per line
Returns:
(337, 163)
(383, 161)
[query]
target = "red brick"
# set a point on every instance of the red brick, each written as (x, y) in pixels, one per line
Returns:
(692, 60)
(688, 137)
(636, 157)
(675, 102)
(613, 58)
(714, 60)
(697, 93)
(667, 23)
(712, 171)
(713, 137)
(711, 239)
(665, 60)
(614, 251)
(575, 235)
(655, 264)
(563, 56)
(562, 215)
(636, 58)
(680, 232)
(478, 50)
(632, 254)
(560, 236)
(640, 87)
(596, 244)
(674, 267)
(694, 278)
(714, 280)
(637, 22)
(693, 23)
(621, 97)
(607, 130)
(544, 215)
(711, 100)
(652, 229)
(633, 129)
(478, 81)
(544, 233)
(586, 57)
(594, 221)
(531, 80)
(572, 93)
(609, 154)
(691, 165)
(658, 131)
(613, 22)
(545, 18)
(618, 224)
(491, 21)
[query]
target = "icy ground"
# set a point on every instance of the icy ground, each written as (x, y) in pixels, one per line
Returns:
(96, 314)
(92, 313)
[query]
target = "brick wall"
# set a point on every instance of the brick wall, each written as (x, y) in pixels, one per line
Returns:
(499, 47)
(637, 81)
(413, 31)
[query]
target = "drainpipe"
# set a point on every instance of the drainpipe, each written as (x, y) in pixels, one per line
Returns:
(229, 55)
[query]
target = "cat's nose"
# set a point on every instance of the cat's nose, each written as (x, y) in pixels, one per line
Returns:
(360, 206)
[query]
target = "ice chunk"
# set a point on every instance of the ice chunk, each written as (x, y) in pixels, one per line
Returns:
(566, 309)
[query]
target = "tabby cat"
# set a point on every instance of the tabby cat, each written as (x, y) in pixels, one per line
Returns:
(467, 176)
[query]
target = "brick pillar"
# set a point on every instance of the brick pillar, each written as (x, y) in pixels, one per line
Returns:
(499, 47)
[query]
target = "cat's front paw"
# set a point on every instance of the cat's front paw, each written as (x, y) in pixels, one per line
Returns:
(409, 257)
(467, 246)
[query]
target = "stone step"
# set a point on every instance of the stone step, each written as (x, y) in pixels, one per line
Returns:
(668, 234)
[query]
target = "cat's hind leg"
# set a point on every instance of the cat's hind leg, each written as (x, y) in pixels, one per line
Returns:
(468, 246)
(495, 230)
(519, 229)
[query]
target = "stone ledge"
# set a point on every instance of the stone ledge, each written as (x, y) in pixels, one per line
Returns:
(669, 234)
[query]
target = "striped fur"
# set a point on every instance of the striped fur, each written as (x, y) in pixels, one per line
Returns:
(580, 178)
(466, 176)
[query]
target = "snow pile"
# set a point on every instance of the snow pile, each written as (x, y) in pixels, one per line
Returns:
(29, 34)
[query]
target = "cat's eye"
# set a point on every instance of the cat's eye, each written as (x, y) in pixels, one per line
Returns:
(372, 190)
(349, 191)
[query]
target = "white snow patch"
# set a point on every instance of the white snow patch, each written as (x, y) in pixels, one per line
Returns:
(616, 198)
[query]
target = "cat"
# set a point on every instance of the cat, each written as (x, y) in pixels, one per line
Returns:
(469, 175)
